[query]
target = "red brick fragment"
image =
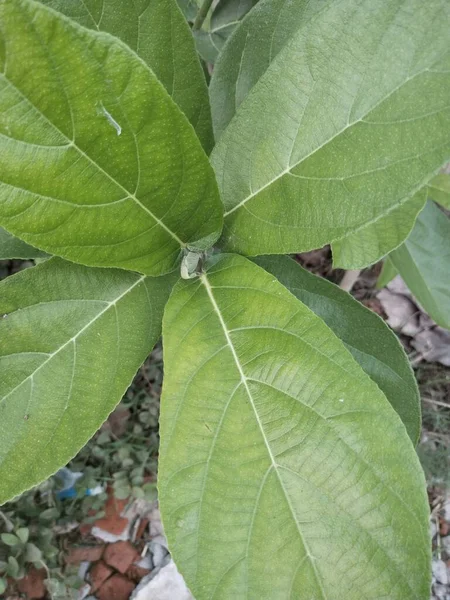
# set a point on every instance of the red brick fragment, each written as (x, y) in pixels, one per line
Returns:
(32, 585)
(120, 556)
(85, 553)
(136, 573)
(98, 574)
(116, 587)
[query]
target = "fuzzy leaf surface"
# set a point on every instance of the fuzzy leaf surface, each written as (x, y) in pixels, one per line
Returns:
(372, 343)
(157, 31)
(71, 340)
(348, 121)
(97, 163)
(423, 263)
(274, 481)
(373, 241)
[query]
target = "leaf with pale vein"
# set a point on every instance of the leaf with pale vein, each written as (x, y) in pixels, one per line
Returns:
(348, 121)
(372, 343)
(373, 241)
(97, 163)
(71, 340)
(159, 34)
(274, 481)
(422, 261)
(12, 247)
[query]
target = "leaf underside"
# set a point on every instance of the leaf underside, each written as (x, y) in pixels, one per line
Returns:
(273, 482)
(371, 342)
(71, 340)
(423, 261)
(12, 247)
(343, 122)
(158, 33)
(97, 163)
(439, 189)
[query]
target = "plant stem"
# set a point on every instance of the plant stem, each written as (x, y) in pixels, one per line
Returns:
(202, 14)
(349, 280)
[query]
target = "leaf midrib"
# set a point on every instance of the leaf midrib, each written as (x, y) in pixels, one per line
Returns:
(321, 146)
(110, 304)
(244, 381)
(71, 143)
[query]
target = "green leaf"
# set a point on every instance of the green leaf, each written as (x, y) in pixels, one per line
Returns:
(348, 121)
(423, 261)
(13, 567)
(10, 539)
(285, 472)
(71, 340)
(224, 20)
(12, 247)
(388, 272)
(159, 34)
(3, 585)
(23, 534)
(97, 163)
(33, 553)
(189, 8)
(439, 189)
(369, 244)
(372, 343)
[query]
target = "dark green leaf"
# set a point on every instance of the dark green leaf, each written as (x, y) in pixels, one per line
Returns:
(423, 262)
(284, 471)
(373, 345)
(71, 340)
(12, 247)
(97, 163)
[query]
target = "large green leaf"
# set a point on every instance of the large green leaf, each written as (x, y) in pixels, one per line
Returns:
(71, 340)
(372, 343)
(12, 247)
(284, 472)
(439, 189)
(372, 241)
(157, 31)
(97, 163)
(423, 262)
(348, 121)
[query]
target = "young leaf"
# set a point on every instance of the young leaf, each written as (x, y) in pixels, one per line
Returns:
(369, 244)
(423, 261)
(439, 189)
(97, 163)
(71, 340)
(372, 343)
(224, 19)
(3, 585)
(388, 272)
(159, 34)
(348, 121)
(12, 247)
(10, 539)
(284, 470)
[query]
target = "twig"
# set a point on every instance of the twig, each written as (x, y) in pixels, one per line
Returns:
(202, 14)
(431, 401)
(349, 280)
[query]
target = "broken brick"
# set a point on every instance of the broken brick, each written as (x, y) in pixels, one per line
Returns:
(32, 585)
(85, 553)
(120, 556)
(98, 574)
(116, 587)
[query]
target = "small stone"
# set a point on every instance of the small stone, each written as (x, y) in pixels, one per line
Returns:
(440, 571)
(116, 587)
(136, 573)
(168, 584)
(159, 553)
(120, 556)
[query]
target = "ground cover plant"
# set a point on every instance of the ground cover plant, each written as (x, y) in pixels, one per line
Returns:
(289, 413)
